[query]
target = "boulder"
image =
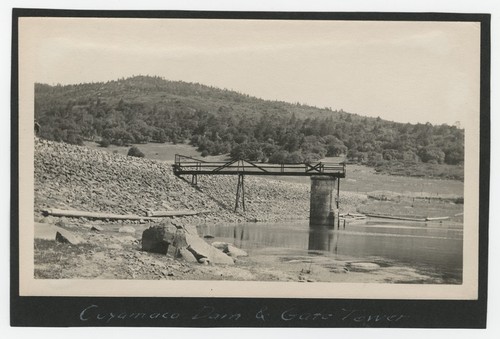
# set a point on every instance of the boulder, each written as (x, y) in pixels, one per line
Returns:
(220, 245)
(203, 249)
(187, 255)
(233, 251)
(45, 231)
(229, 249)
(51, 232)
(179, 239)
(198, 256)
(67, 237)
(156, 239)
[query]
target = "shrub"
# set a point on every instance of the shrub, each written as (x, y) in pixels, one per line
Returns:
(295, 158)
(104, 143)
(135, 152)
(278, 157)
(310, 158)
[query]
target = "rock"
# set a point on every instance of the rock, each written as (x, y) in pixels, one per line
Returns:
(233, 251)
(156, 239)
(208, 236)
(204, 261)
(45, 231)
(51, 232)
(220, 245)
(229, 249)
(126, 229)
(198, 256)
(215, 256)
(187, 255)
(96, 228)
(179, 239)
(67, 237)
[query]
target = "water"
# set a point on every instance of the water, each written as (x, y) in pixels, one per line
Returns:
(431, 247)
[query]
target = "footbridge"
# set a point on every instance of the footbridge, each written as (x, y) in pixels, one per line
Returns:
(325, 180)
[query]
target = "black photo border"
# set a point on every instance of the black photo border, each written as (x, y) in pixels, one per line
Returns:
(253, 312)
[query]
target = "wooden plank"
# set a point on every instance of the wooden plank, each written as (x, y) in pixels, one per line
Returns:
(437, 218)
(177, 213)
(93, 215)
(394, 217)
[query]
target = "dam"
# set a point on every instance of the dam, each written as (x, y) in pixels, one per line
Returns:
(325, 181)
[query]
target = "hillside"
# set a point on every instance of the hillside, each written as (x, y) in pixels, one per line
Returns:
(151, 109)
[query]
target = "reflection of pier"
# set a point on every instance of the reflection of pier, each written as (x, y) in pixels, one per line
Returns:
(324, 239)
(325, 181)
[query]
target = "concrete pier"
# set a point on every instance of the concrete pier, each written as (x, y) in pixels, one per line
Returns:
(323, 208)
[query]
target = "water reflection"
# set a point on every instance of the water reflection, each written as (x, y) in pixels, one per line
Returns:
(324, 239)
(433, 246)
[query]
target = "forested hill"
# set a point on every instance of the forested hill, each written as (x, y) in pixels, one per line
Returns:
(150, 109)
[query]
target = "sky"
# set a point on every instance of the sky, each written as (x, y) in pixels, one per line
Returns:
(400, 71)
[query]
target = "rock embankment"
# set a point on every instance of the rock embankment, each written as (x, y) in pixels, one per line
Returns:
(79, 178)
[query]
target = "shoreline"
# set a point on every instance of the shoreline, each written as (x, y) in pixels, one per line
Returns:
(111, 254)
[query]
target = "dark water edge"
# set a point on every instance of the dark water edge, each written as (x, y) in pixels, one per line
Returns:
(433, 249)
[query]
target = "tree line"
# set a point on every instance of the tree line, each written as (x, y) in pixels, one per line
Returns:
(217, 121)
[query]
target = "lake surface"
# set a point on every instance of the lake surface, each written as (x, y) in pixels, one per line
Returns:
(432, 248)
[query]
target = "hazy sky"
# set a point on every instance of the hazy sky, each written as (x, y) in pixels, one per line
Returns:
(401, 71)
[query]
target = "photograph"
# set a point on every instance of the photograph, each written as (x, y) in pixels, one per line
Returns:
(246, 156)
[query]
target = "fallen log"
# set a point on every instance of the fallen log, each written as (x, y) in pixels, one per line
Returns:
(394, 217)
(437, 218)
(93, 215)
(356, 215)
(177, 213)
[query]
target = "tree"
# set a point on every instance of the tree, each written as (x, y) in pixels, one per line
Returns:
(104, 143)
(431, 155)
(454, 154)
(334, 147)
(279, 157)
(134, 151)
(295, 158)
